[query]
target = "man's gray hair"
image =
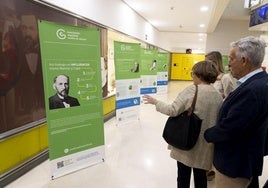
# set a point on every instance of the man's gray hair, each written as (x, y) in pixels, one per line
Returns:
(251, 47)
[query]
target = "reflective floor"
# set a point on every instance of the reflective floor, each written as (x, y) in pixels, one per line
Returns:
(136, 157)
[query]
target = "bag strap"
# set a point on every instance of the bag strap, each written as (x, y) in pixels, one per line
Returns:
(191, 109)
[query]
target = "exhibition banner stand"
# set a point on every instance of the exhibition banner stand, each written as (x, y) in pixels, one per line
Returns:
(162, 72)
(127, 75)
(73, 96)
(148, 69)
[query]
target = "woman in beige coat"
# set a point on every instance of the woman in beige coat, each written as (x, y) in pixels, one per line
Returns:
(207, 107)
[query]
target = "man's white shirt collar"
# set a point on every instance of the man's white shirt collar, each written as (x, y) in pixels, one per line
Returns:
(244, 78)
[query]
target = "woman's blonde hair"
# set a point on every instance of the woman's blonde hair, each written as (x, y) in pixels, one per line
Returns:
(216, 58)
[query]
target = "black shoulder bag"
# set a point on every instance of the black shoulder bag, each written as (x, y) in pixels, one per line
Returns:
(183, 130)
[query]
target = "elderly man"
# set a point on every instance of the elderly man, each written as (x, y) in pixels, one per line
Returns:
(240, 133)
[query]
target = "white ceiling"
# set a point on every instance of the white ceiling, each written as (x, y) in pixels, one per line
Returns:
(181, 19)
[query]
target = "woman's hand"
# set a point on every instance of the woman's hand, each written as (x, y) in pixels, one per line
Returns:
(149, 100)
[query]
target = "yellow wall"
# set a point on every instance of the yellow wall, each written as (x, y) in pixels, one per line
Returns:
(181, 65)
(108, 105)
(23, 146)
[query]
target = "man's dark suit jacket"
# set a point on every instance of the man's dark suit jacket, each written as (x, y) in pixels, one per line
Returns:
(56, 102)
(266, 143)
(240, 133)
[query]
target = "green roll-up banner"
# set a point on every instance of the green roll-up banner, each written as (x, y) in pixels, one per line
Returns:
(225, 59)
(162, 72)
(148, 71)
(127, 74)
(73, 96)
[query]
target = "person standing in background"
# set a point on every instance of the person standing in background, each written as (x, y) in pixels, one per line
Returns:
(240, 133)
(225, 83)
(188, 51)
(200, 157)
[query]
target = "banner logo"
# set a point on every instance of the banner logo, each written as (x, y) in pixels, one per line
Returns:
(61, 34)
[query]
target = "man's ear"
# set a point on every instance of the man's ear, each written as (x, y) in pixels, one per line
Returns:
(244, 60)
(54, 86)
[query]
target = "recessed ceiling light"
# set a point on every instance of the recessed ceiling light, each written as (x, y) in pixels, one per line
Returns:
(204, 9)
(202, 25)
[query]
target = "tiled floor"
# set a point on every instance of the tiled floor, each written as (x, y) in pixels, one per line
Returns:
(136, 157)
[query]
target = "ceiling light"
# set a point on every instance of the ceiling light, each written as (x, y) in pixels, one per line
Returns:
(202, 25)
(204, 9)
